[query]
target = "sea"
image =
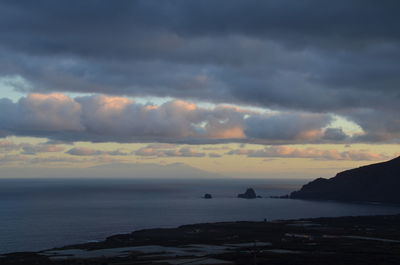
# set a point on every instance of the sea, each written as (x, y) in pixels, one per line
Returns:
(38, 214)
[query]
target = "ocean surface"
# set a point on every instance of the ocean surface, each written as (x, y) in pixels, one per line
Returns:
(45, 213)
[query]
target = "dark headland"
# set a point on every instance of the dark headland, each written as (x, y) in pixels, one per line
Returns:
(373, 183)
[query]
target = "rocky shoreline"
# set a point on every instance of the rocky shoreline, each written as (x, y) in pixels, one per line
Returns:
(338, 240)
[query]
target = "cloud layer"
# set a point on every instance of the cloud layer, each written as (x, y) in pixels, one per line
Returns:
(314, 153)
(7, 146)
(340, 57)
(119, 119)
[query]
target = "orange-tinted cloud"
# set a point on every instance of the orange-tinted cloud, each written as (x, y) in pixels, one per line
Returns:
(101, 118)
(314, 153)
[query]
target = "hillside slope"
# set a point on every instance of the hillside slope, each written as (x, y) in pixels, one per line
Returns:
(373, 183)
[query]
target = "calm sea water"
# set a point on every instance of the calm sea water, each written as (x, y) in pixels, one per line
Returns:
(42, 213)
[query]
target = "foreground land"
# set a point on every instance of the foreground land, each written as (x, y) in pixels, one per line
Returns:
(343, 240)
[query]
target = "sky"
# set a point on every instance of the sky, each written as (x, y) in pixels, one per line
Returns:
(233, 88)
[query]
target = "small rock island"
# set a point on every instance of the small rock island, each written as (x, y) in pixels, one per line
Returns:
(249, 194)
(207, 196)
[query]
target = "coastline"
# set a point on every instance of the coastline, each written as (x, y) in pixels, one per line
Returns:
(350, 239)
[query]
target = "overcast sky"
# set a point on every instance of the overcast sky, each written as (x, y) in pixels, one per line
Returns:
(313, 80)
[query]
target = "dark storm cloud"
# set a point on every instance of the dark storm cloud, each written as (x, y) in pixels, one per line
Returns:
(286, 126)
(335, 134)
(317, 56)
(72, 26)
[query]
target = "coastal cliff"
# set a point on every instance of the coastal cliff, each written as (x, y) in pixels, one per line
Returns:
(373, 183)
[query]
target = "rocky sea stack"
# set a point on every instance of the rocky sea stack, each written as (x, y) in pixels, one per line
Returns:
(373, 183)
(249, 194)
(207, 196)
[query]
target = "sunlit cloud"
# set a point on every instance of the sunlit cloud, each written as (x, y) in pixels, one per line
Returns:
(28, 148)
(100, 118)
(85, 151)
(41, 148)
(152, 151)
(214, 155)
(313, 153)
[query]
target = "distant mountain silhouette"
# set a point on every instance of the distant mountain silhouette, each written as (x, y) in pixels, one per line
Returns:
(113, 170)
(373, 183)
